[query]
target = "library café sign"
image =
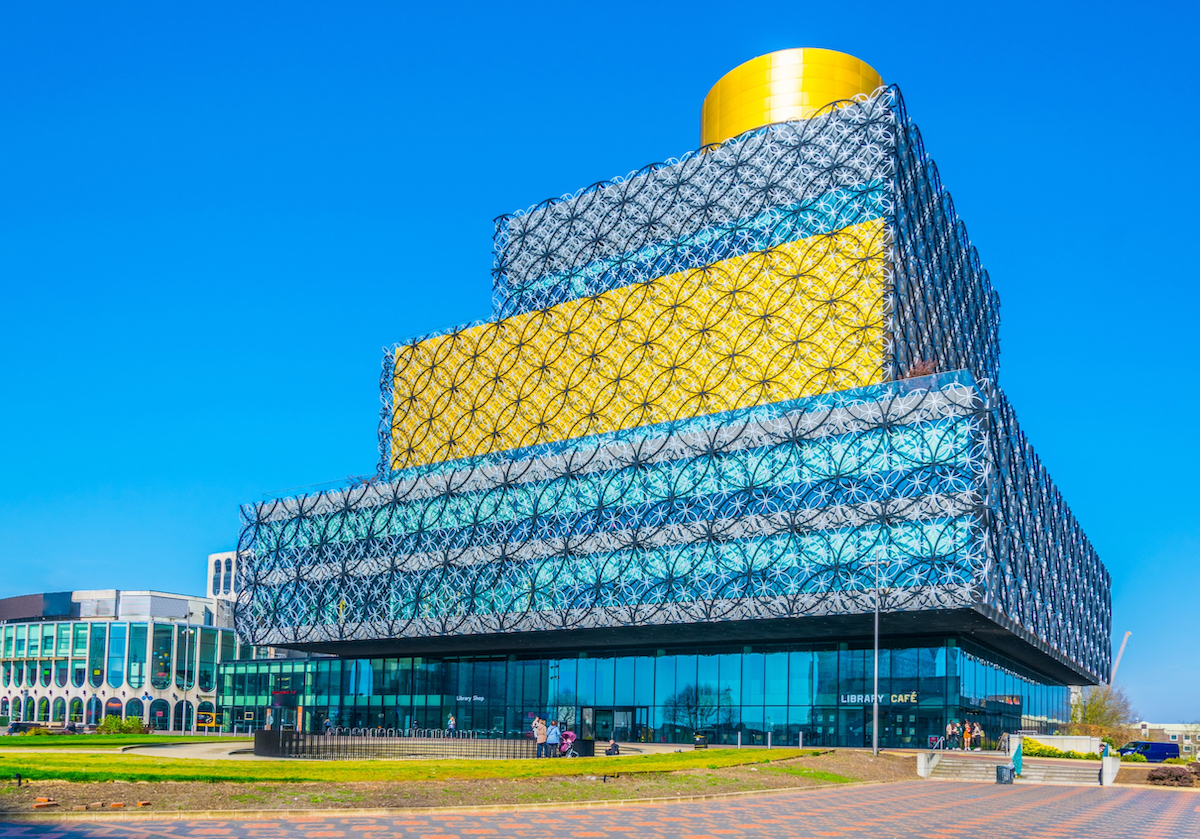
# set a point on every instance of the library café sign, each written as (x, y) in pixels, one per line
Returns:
(884, 699)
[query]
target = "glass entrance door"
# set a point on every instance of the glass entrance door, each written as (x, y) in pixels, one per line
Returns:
(604, 724)
(622, 729)
(285, 718)
(625, 725)
(854, 727)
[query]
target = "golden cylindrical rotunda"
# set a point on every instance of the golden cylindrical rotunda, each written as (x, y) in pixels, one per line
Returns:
(779, 86)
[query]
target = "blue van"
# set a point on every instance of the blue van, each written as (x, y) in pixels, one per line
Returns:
(1153, 752)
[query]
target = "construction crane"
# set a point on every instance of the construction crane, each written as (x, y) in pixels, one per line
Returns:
(1113, 678)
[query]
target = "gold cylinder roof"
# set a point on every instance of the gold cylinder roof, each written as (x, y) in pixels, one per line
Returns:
(783, 85)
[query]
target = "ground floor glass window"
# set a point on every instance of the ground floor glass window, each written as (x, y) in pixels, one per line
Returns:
(183, 716)
(819, 694)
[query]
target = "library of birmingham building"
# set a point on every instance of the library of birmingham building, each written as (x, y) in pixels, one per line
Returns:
(721, 406)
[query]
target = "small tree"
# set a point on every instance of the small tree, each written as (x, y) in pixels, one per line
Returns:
(1104, 711)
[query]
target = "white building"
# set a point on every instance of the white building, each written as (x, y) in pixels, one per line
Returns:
(1187, 735)
(80, 656)
(223, 576)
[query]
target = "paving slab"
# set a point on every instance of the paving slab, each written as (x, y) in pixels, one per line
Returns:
(925, 809)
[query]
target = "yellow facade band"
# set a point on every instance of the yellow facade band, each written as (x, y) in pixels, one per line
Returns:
(803, 318)
(779, 86)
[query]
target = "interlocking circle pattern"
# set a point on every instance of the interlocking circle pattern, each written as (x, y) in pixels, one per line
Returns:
(703, 397)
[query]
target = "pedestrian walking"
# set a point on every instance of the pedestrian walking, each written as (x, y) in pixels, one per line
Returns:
(450, 724)
(328, 727)
(949, 733)
(553, 738)
(539, 729)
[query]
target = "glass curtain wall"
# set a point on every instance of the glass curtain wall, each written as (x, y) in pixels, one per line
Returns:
(207, 665)
(97, 634)
(185, 657)
(160, 656)
(137, 655)
(821, 693)
(117, 634)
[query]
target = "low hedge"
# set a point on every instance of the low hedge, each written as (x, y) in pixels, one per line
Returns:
(1171, 776)
(1032, 748)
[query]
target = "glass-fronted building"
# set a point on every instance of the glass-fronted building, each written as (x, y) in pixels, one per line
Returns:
(816, 694)
(81, 656)
(724, 408)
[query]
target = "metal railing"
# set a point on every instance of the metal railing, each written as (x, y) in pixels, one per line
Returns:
(389, 744)
(938, 745)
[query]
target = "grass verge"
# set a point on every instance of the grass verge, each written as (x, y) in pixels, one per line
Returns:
(133, 767)
(105, 741)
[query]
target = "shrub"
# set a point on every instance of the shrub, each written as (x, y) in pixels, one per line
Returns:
(1170, 776)
(1176, 761)
(1134, 758)
(1032, 748)
(36, 732)
(1194, 768)
(112, 724)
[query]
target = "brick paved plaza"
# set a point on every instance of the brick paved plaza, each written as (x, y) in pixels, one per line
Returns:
(936, 810)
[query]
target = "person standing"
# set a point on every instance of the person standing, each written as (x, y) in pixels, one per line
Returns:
(540, 733)
(328, 727)
(980, 735)
(553, 739)
(949, 733)
(450, 724)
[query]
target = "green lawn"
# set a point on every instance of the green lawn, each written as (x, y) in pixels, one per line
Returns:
(103, 741)
(134, 767)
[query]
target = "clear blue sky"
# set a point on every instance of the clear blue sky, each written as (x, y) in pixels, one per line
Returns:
(214, 216)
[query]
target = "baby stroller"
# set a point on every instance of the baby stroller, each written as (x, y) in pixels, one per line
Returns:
(567, 747)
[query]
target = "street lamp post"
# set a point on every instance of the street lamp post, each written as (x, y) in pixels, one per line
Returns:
(187, 664)
(875, 692)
